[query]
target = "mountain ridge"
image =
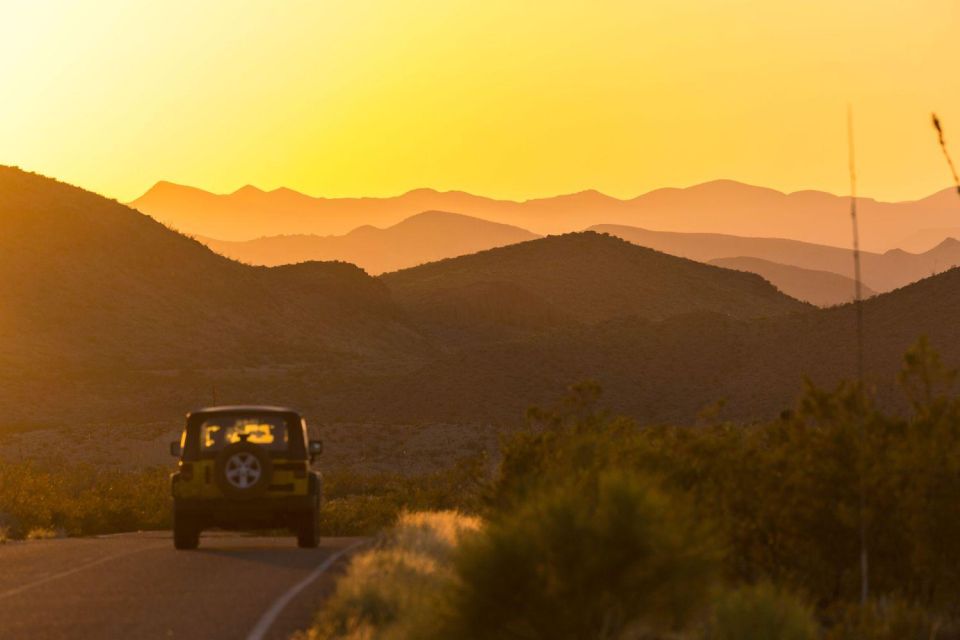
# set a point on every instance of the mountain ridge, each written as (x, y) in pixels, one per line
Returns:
(881, 271)
(720, 206)
(421, 238)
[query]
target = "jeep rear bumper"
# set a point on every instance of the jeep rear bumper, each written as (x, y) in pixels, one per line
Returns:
(264, 512)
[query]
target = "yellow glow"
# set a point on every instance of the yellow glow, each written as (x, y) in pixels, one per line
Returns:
(256, 432)
(503, 97)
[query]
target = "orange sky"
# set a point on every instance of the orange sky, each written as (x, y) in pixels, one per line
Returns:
(504, 98)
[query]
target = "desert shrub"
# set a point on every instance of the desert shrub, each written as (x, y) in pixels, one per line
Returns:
(610, 556)
(761, 612)
(785, 495)
(570, 441)
(589, 528)
(82, 500)
(366, 503)
(43, 533)
(396, 590)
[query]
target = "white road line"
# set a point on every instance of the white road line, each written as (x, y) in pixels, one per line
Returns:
(269, 617)
(69, 572)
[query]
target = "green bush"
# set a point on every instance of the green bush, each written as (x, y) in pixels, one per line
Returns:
(607, 558)
(761, 613)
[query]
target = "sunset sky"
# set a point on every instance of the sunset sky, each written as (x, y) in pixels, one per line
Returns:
(507, 98)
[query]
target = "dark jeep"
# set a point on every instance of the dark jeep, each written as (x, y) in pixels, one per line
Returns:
(245, 467)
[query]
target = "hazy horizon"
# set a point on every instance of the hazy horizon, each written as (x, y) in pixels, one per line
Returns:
(504, 99)
(538, 196)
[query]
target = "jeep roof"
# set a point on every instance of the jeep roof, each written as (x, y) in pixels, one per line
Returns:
(243, 408)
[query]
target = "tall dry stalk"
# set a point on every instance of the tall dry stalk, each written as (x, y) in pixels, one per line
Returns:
(946, 154)
(858, 305)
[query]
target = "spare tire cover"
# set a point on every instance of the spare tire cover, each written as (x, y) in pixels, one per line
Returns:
(243, 470)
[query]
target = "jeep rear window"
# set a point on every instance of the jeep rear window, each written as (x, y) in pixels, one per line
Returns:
(221, 431)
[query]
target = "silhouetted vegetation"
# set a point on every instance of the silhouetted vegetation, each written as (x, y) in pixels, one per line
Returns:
(597, 527)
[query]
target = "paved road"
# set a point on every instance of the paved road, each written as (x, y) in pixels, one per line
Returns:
(136, 586)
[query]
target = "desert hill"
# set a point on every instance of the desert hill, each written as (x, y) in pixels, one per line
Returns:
(424, 237)
(881, 271)
(580, 277)
(822, 288)
(89, 283)
(110, 317)
(721, 206)
(669, 370)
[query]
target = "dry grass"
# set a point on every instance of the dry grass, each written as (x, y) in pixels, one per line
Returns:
(45, 533)
(394, 590)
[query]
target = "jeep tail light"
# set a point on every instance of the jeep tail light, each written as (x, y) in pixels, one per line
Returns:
(186, 471)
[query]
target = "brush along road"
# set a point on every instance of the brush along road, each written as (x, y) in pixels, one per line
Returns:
(138, 586)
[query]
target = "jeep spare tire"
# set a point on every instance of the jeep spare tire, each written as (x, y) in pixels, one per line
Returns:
(243, 470)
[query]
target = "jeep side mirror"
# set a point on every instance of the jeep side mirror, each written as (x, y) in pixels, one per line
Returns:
(175, 449)
(316, 448)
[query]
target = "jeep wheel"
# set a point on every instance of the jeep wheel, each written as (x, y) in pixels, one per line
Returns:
(243, 470)
(308, 531)
(186, 533)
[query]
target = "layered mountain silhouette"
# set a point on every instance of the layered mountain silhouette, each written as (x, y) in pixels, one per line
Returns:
(821, 288)
(722, 206)
(108, 316)
(424, 237)
(430, 236)
(881, 271)
(926, 239)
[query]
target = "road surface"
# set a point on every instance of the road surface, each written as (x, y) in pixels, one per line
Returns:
(137, 586)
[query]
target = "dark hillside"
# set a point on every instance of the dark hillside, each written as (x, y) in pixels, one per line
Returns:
(579, 277)
(669, 370)
(89, 283)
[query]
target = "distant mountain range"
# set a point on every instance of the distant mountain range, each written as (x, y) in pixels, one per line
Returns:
(721, 206)
(822, 288)
(424, 237)
(110, 318)
(881, 272)
(819, 274)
